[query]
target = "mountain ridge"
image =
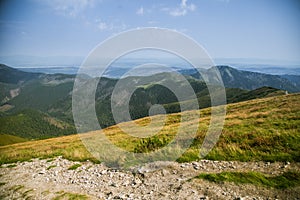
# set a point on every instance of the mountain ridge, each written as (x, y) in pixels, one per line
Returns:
(250, 80)
(51, 95)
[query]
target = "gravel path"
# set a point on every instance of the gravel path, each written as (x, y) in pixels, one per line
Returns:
(48, 179)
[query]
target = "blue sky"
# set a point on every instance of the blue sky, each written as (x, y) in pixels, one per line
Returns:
(263, 29)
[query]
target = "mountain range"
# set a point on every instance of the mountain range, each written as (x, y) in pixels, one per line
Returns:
(38, 105)
(247, 80)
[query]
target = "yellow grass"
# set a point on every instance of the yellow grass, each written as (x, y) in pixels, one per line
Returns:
(250, 127)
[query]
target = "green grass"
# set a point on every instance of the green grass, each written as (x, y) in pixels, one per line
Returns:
(75, 166)
(6, 139)
(70, 196)
(26, 194)
(70, 147)
(11, 166)
(17, 187)
(150, 144)
(283, 181)
(265, 129)
(258, 130)
(51, 166)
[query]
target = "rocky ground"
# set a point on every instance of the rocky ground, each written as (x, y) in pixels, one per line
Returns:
(53, 179)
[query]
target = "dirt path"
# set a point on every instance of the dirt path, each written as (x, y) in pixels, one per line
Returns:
(49, 179)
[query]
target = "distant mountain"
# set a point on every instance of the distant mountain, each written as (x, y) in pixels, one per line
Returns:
(152, 93)
(14, 76)
(32, 90)
(37, 95)
(294, 79)
(33, 124)
(8, 91)
(233, 78)
(50, 69)
(233, 95)
(30, 102)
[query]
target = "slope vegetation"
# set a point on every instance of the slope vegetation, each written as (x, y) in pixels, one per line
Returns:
(263, 129)
(32, 124)
(10, 139)
(15, 76)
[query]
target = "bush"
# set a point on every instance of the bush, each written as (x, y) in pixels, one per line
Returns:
(151, 144)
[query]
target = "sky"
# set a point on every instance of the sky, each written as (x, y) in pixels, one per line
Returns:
(260, 29)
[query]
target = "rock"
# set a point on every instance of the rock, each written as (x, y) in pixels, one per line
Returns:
(239, 198)
(203, 198)
(109, 193)
(163, 180)
(196, 167)
(164, 172)
(114, 184)
(284, 166)
(42, 172)
(136, 181)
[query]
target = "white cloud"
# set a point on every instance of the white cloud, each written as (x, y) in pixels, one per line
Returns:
(111, 26)
(140, 11)
(71, 8)
(78, 8)
(152, 22)
(102, 26)
(181, 10)
(177, 12)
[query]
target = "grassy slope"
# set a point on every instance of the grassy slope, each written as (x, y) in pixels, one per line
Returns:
(6, 139)
(262, 129)
(283, 181)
